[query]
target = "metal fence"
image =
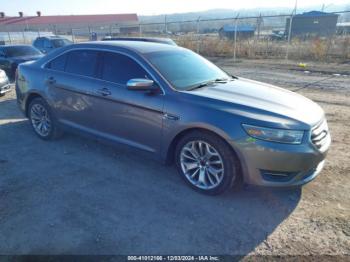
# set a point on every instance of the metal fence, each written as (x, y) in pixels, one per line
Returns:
(271, 36)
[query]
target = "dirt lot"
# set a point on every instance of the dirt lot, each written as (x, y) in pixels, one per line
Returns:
(79, 196)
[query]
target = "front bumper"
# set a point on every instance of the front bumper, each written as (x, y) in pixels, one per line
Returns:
(280, 165)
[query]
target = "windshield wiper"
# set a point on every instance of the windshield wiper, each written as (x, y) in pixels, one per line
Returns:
(203, 84)
(221, 80)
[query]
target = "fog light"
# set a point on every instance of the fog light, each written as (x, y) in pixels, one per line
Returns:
(277, 176)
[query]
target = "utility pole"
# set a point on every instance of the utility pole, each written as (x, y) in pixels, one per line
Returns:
(72, 32)
(235, 39)
(8, 33)
(290, 27)
(198, 37)
(259, 21)
(140, 29)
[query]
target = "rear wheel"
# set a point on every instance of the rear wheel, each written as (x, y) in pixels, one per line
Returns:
(42, 120)
(207, 163)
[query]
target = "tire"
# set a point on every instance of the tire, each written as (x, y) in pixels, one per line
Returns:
(39, 109)
(203, 173)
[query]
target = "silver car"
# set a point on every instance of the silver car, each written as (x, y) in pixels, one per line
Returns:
(220, 130)
(4, 83)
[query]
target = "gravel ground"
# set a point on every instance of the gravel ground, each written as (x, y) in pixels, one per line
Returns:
(80, 196)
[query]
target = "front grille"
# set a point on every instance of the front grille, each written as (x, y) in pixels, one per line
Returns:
(319, 134)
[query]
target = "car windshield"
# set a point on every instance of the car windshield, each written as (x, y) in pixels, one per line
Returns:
(185, 69)
(60, 42)
(14, 51)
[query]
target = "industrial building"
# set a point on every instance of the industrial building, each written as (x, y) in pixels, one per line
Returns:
(62, 24)
(242, 31)
(312, 24)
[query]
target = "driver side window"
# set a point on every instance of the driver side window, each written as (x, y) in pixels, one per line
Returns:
(120, 68)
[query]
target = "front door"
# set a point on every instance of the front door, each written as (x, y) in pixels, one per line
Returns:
(131, 117)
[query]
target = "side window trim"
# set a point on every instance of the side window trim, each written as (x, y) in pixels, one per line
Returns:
(65, 62)
(101, 50)
(99, 67)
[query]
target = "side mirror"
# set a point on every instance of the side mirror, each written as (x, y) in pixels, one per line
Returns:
(141, 84)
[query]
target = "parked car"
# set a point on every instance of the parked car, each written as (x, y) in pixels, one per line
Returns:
(175, 104)
(12, 55)
(159, 40)
(4, 83)
(46, 44)
(277, 37)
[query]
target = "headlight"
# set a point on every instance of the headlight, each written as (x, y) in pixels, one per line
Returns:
(275, 135)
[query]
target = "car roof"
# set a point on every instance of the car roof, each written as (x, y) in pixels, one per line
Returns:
(137, 46)
(142, 39)
(6, 46)
(50, 37)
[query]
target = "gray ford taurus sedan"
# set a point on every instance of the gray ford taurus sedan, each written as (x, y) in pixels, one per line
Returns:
(220, 130)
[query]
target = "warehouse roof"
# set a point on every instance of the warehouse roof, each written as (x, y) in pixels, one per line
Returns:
(315, 14)
(68, 19)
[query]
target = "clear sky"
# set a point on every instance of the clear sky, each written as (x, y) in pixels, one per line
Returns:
(145, 7)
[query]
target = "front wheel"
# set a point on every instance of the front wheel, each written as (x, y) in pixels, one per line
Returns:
(207, 163)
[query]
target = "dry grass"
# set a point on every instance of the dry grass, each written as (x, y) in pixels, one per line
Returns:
(336, 48)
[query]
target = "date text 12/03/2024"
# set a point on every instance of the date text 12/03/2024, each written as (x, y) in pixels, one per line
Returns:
(173, 258)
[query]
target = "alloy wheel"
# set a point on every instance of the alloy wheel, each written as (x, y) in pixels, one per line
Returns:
(40, 119)
(202, 164)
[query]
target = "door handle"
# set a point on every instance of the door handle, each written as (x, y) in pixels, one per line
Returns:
(51, 80)
(170, 117)
(104, 91)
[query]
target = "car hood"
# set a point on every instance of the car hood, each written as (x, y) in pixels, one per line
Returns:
(271, 99)
(21, 59)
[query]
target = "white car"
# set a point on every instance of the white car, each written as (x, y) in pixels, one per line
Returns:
(4, 83)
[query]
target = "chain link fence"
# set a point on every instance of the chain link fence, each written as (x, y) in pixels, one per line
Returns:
(237, 37)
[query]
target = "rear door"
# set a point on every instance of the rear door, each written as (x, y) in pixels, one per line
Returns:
(130, 117)
(70, 81)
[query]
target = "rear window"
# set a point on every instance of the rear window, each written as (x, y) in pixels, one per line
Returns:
(60, 42)
(82, 62)
(16, 51)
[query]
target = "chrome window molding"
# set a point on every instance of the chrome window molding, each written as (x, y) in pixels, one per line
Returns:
(43, 66)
